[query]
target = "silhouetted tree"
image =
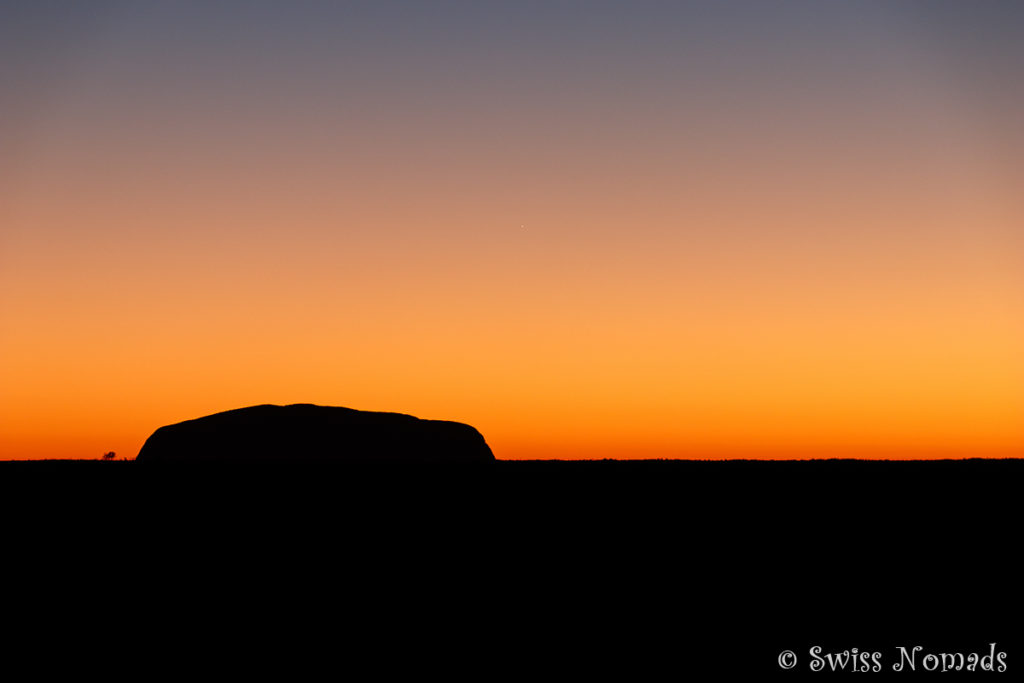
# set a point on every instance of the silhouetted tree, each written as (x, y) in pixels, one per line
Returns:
(109, 456)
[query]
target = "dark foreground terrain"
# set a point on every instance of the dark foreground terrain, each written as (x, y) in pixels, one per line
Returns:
(543, 570)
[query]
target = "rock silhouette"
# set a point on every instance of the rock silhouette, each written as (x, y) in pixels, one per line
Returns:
(306, 432)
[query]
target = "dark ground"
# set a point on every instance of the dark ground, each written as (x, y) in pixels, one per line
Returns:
(617, 570)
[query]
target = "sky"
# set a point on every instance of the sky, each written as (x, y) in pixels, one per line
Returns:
(754, 228)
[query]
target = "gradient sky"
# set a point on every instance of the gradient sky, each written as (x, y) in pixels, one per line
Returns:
(590, 229)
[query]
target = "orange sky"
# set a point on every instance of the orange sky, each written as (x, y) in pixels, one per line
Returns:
(632, 262)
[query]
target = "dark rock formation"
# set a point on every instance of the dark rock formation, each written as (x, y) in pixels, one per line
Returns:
(319, 433)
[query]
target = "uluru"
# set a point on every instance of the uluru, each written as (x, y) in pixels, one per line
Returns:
(305, 432)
